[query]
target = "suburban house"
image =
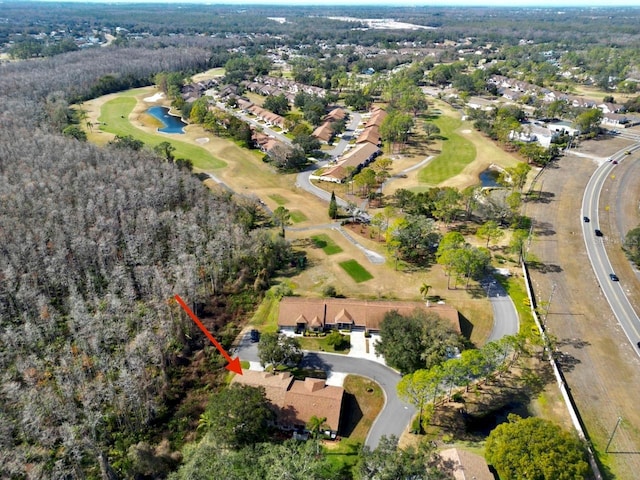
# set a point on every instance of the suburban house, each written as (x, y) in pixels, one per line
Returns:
(324, 132)
(370, 134)
(318, 314)
(466, 465)
(377, 116)
(296, 401)
(357, 158)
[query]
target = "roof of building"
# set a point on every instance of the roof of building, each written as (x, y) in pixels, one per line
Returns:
(324, 132)
(297, 400)
(466, 465)
(370, 134)
(366, 314)
(377, 116)
(359, 155)
(335, 114)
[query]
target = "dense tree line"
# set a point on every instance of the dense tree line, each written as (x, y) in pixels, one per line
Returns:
(95, 242)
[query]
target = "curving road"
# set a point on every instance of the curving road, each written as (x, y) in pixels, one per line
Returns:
(595, 246)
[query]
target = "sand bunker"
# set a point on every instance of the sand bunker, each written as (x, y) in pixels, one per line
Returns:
(155, 97)
(202, 140)
(466, 131)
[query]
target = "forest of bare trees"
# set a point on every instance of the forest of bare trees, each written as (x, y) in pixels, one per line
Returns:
(94, 243)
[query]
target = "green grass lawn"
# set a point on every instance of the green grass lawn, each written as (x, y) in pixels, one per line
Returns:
(297, 216)
(279, 199)
(457, 153)
(356, 271)
(114, 118)
(320, 344)
(325, 242)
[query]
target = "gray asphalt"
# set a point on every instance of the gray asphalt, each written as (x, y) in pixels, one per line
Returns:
(596, 249)
(505, 315)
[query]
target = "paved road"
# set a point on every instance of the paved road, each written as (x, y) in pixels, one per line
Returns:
(595, 246)
(395, 415)
(505, 315)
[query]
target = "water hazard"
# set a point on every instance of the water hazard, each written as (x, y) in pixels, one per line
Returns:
(489, 178)
(172, 124)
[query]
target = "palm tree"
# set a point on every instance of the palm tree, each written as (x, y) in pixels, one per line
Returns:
(315, 425)
(424, 290)
(281, 217)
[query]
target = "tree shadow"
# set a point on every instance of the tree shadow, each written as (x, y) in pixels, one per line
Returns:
(544, 229)
(544, 267)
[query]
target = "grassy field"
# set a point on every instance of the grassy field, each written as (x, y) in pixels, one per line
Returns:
(327, 245)
(297, 216)
(279, 199)
(457, 153)
(114, 119)
(356, 271)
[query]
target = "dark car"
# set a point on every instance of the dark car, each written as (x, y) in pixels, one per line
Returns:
(255, 335)
(598, 233)
(613, 277)
(586, 219)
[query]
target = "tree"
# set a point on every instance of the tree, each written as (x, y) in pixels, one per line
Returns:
(281, 217)
(420, 388)
(239, 415)
(631, 245)
(165, 150)
(315, 425)
(533, 448)
(278, 349)
(424, 290)
(287, 157)
(278, 104)
(589, 120)
(333, 206)
(126, 141)
(388, 462)
(308, 143)
(74, 131)
(419, 340)
(490, 230)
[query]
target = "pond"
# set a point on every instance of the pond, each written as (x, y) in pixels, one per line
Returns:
(489, 178)
(173, 124)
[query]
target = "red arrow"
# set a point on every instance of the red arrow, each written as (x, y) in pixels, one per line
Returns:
(234, 364)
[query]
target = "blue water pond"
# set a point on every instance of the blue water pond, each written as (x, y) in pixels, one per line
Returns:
(172, 124)
(489, 178)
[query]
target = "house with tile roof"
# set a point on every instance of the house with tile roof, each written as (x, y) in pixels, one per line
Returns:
(323, 133)
(319, 314)
(296, 401)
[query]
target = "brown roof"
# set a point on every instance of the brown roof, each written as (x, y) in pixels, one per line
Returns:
(366, 314)
(313, 397)
(370, 134)
(466, 465)
(377, 116)
(297, 400)
(359, 155)
(275, 385)
(335, 114)
(323, 132)
(337, 172)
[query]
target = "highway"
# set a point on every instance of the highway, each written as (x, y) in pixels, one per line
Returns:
(595, 246)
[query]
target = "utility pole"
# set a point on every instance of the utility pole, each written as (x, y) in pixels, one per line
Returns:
(546, 312)
(612, 434)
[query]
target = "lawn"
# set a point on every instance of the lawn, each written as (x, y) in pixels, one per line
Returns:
(114, 118)
(457, 153)
(279, 199)
(327, 245)
(356, 271)
(297, 216)
(363, 402)
(320, 344)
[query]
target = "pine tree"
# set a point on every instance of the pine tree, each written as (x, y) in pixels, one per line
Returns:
(333, 206)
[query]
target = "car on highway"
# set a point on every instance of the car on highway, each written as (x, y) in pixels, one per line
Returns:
(598, 232)
(586, 219)
(615, 162)
(613, 277)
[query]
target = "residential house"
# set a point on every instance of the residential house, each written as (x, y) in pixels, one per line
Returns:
(465, 465)
(295, 402)
(357, 158)
(319, 314)
(370, 134)
(615, 119)
(324, 132)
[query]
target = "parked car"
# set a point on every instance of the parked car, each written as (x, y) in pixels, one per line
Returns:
(255, 335)
(613, 277)
(598, 233)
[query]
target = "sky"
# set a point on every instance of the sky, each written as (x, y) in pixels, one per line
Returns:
(440, 3)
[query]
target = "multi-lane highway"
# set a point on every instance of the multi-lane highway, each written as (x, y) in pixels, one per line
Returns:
(595, 241)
